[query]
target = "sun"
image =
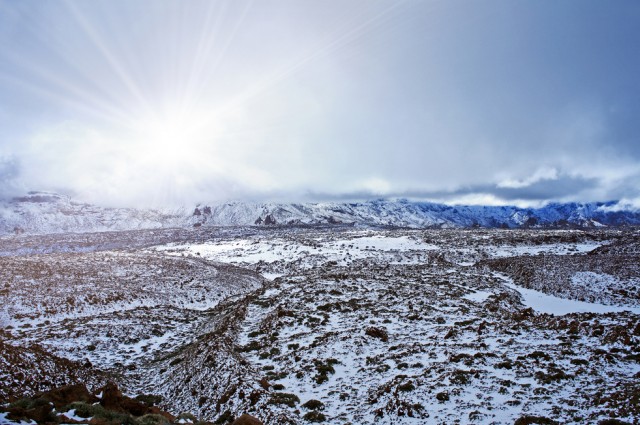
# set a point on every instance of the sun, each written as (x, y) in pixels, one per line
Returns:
(173, 136)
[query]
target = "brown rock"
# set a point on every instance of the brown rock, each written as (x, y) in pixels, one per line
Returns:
(111, 397)
(41, 414)
(133, 407)
(245, 419)
(68, 394)
(156, 411)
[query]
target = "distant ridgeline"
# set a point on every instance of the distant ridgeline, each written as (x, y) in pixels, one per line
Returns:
(41, 213)
(403, 213)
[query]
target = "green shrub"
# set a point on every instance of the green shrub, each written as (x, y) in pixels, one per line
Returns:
(284, 398)
(85, 410)
(153, 419)
(149, 399)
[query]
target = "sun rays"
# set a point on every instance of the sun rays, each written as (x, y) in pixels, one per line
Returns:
(175, 94)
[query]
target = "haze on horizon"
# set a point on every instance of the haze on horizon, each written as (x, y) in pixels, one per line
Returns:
(148, 103)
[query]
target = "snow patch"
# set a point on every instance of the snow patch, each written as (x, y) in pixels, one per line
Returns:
(544, 303)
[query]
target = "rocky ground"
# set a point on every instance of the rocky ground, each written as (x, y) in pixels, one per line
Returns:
(337, 325)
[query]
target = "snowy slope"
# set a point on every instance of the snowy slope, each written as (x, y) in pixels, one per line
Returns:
(42, 213)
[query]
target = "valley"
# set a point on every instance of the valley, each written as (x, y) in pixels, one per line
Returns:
(332, 324)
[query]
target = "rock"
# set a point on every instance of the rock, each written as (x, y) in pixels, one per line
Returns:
(245, 419)
(111, 397)
(134, 407)
(68, 394)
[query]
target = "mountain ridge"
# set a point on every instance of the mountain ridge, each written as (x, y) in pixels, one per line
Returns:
(45, 212)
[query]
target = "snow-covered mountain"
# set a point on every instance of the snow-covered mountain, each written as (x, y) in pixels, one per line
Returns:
(403, 213)
(41, 212)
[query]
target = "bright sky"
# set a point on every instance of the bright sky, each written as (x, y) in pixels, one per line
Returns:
(148, 103)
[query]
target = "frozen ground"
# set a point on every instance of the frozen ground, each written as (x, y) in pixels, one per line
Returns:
(340, 325)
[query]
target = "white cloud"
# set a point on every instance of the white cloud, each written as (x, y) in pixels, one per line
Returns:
(625, 204)
(545, 173)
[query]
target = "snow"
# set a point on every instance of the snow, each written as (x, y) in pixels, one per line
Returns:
(477, 296)
(598, 281)
(557, 249)
(444, 296)
(4, 420)
(71, 414)
(544, 303)
(404, 249)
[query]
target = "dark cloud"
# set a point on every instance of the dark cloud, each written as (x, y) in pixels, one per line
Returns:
(558, 188)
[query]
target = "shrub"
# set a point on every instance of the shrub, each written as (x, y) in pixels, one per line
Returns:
(531, 420)
(554, 375)
(284, 398)
(149, 399)
(324, 369)
(226, 417)
(407, 386)
(314, 416)
(252, 346)
(85, 410)
(153, 419)
(442, 396)
(313, 405)
(460, 377)
(379, 333)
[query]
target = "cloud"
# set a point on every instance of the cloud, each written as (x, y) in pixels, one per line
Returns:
(196, 101)
(539, 175)
(624, 204)
(9, 177)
